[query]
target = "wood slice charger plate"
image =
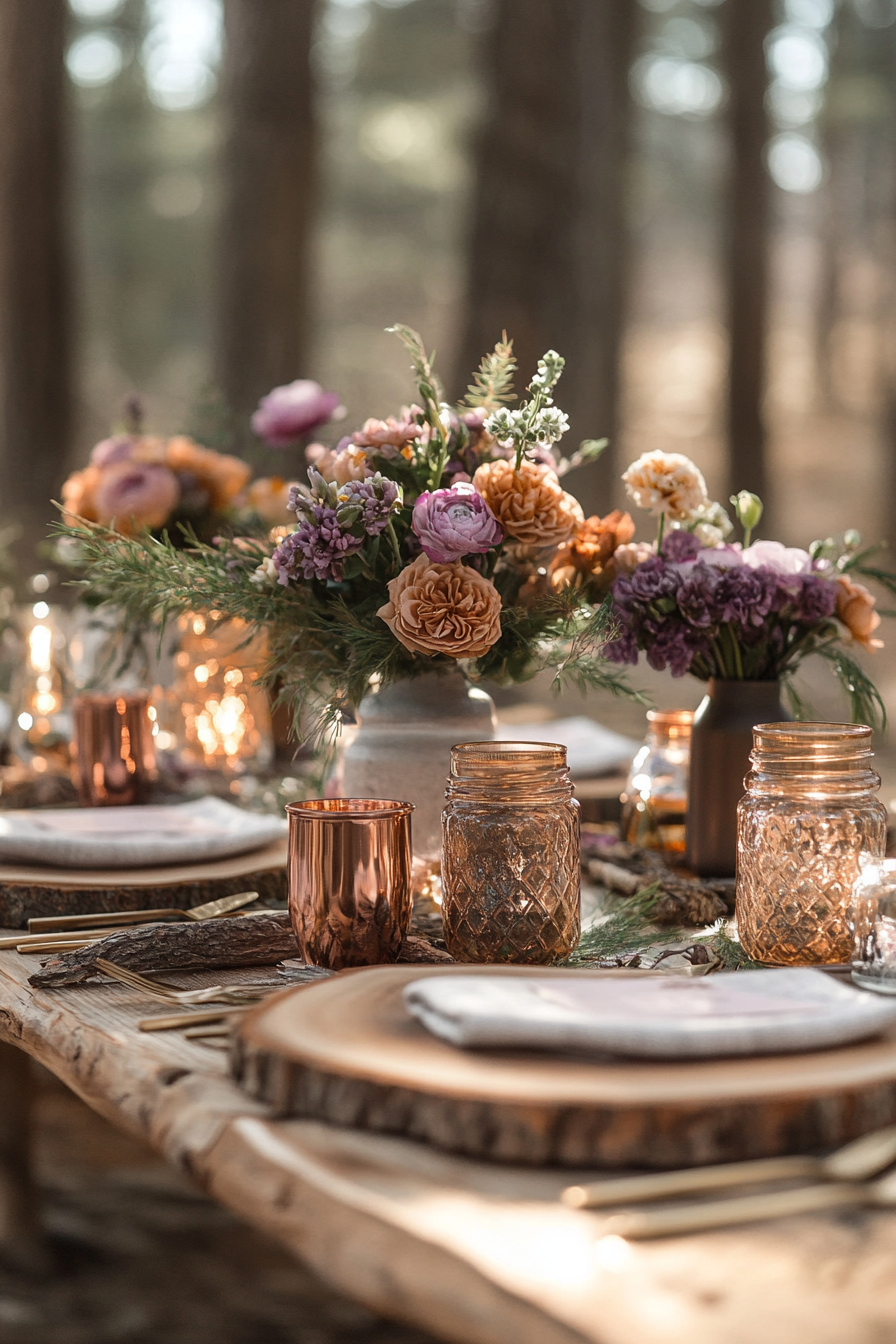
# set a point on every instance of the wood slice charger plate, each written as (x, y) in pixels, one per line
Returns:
(27, 892)
(346, 1050)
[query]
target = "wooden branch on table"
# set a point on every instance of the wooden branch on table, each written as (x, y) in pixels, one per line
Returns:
(245, 940)
(261, 939)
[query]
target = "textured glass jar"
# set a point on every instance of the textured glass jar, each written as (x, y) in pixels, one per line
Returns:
(510, 854)
(655, 797)
(810, 816)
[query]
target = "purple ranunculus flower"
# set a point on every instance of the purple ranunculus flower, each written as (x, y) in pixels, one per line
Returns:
(680, 546)
(316, 549)
(454, 523)
(288, 412)
(369, 502)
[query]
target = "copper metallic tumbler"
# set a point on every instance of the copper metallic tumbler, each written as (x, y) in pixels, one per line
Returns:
(114, 754)
(350, 879)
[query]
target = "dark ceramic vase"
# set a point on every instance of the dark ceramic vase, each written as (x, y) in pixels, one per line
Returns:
(721, 742)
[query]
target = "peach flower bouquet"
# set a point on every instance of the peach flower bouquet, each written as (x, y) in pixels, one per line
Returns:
(138, 482)
(438, 537)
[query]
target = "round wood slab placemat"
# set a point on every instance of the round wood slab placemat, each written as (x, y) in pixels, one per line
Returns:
(27, 892)
(347, 1051)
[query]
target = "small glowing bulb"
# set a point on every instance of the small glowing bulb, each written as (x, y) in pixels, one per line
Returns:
(25, 722)
(40, 610)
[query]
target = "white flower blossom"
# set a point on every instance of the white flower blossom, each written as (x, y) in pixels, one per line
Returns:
(667, 483)
(266, 573)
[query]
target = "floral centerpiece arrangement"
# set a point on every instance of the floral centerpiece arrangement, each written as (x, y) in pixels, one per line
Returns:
(143, 482)
(694, 602)
(423, 541)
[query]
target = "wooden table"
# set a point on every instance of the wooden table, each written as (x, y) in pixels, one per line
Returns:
(475, 1253)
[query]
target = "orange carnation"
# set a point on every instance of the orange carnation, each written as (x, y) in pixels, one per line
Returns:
(590, 553)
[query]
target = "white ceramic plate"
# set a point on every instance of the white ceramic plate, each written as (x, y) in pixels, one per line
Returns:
(741, 1013)
(134, 837)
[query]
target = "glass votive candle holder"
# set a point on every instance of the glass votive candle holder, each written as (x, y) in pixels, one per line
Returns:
(113, 750)
(872, 920)
(809, 817)
(655, 797)
(349, 869)
(510, 854)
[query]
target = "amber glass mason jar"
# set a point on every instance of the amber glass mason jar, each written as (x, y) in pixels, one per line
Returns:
(510, 854)
(809, 816)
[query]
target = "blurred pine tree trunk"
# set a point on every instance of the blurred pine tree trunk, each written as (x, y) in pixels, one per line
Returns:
(35, 349)
(268, 166)
(547, 248)
(746, 25)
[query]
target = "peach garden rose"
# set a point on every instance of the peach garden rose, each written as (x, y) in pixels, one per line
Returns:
(447, 609)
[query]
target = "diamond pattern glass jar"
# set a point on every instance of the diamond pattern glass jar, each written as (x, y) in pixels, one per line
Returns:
(510, 854)
(810, 816)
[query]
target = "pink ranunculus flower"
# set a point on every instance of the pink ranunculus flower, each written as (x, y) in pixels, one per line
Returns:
(288, 412)
(138, 494)
(453, 523)
(774, 555)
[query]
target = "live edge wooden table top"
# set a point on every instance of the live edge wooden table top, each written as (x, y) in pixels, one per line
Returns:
(475, 1253)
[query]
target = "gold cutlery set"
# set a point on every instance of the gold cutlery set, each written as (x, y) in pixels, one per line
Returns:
(69, 933)
(843, 1178)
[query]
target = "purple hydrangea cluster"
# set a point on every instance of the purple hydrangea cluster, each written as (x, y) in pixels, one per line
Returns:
(317, 549)
(676, 605)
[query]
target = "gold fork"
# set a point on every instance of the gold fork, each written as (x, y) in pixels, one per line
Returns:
(170, 993)
(224, 905)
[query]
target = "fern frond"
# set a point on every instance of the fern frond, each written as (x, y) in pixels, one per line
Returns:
(865, 701)
(799, 706)
(492, 384)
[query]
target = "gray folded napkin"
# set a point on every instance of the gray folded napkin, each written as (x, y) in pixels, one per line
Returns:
(741, 1013)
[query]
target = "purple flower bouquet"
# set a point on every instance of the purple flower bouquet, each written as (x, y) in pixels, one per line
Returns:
(695, 603)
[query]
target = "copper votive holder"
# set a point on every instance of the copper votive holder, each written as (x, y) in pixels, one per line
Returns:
(114, 754)
(350, 879)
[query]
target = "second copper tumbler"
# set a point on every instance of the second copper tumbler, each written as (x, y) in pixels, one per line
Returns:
(350, 879)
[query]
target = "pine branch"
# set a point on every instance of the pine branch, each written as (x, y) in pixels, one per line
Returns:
(492, 384)
(627, 929)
